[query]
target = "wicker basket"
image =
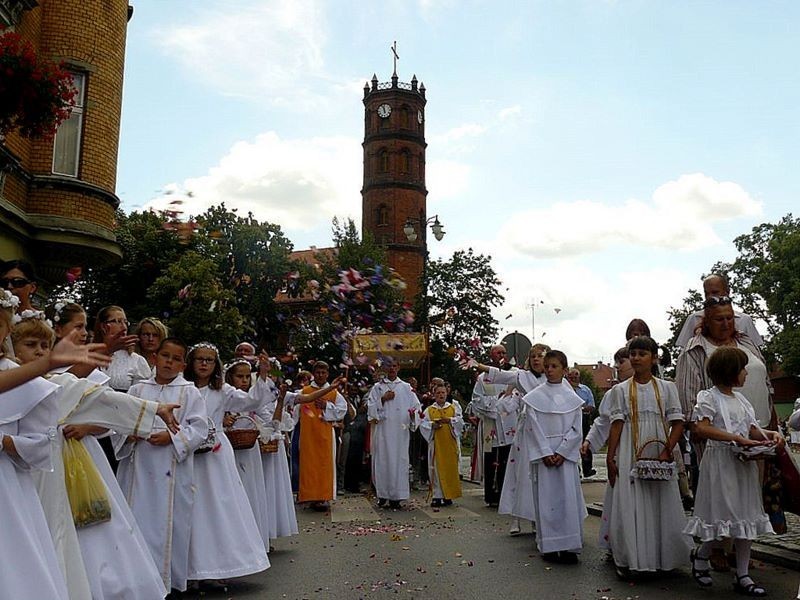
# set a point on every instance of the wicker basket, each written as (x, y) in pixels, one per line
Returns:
(269, 447)
(242, 439)
(651, 469)
(210, 441)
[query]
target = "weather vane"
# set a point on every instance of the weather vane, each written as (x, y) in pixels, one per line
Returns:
(393, 48)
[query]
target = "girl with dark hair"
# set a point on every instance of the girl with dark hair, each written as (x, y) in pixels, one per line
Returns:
(729, 503)
(646, 423)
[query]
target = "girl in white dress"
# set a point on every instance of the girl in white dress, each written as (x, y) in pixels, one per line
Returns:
(646, 519)
(28, 416)
(729, 502)
(239, 375)
(225, 540)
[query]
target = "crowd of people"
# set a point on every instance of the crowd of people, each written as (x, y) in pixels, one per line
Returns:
(188, 468)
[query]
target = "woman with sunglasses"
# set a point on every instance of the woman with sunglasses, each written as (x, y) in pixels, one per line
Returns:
(19, 278)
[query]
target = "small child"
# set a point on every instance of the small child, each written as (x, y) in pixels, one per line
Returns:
(554, 420)
(28, 415)
(729, 503)
(647, 518)
(157, 474)
(441, 427)
(238, 374)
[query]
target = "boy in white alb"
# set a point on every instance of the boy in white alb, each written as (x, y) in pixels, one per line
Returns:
(553, 415)
(156, 474)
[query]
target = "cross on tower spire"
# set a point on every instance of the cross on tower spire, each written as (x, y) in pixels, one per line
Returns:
(396, 56)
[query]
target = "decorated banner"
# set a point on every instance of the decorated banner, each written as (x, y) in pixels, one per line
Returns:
(409, 349)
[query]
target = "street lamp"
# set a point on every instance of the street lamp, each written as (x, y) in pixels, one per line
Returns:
(436, 227)
(411, 234)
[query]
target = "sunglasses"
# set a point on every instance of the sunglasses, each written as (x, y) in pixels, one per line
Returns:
(14, 282)
(716, 301)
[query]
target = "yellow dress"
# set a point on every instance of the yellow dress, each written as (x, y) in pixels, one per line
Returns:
(443, 453)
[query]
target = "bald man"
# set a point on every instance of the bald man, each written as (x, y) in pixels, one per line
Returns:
(497, 428)
(717, 285)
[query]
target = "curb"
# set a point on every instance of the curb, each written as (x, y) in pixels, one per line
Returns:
(767, 553)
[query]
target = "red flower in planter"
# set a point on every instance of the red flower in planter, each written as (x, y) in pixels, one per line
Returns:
(35, 94)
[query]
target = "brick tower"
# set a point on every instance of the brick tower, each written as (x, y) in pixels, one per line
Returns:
(57, 196)
(394, 174)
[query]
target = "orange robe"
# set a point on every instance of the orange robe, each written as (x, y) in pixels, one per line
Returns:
(317, 466)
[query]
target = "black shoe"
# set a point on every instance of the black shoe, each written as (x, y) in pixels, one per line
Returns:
(394, 504)
(447, 502)
(550, 557)
(701, 576)
(590, 473)
(436, 503)
(568, 558)
(381, 502)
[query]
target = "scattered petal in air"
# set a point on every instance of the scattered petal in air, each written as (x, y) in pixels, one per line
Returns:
(509, 316)
(213, 306)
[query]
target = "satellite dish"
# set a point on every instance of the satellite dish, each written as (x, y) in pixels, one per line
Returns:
(518, 347)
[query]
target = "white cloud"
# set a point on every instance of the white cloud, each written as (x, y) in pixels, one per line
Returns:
(680, 216)
(446, 179)
(268, 50)
(298, 184)
(511, 111)
(458, 134)
(585, 328)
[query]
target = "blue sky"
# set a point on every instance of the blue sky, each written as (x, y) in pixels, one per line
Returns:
(605, 153)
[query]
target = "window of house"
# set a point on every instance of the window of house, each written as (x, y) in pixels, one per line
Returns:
(67, 143)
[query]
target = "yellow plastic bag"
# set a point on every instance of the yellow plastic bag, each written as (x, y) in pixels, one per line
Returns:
(85, 488)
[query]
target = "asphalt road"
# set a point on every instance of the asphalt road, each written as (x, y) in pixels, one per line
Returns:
(459, 553)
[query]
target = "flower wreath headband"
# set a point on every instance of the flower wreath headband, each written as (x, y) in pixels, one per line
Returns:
(236, 362)
(59, 307)
(206, 346)
(8, 300)
(28, 314)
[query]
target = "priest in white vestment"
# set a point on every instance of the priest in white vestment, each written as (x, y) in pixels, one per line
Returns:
(392, 408)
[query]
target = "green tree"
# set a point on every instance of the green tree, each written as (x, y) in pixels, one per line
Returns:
(148, 249)
(252, 259)
(461, 293)
(765, 277)
(197, 304)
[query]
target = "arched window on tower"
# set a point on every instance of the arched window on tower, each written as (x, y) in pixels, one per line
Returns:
(421, 167)
(405, 161)
(405, 117)
(382, 217)
(383, 160)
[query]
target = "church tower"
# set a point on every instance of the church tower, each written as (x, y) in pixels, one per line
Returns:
(394, 192)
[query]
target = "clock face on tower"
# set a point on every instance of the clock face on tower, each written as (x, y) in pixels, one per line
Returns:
(384, 110)
(419, 116)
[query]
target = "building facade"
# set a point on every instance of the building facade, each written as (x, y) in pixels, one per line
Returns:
(394, 192)
(57, 196)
